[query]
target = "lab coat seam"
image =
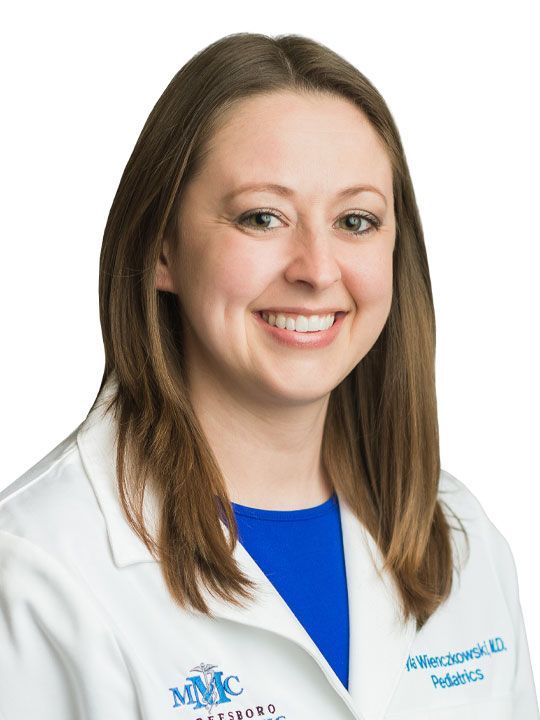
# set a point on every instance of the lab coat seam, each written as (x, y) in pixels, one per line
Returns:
(485, 526)
(53, 643)
(132, 677)
(490, 527)
(486, 531)
(511, 612)
(109, 622)
(72, 447)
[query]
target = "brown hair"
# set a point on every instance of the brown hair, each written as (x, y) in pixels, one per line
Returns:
(380, 444)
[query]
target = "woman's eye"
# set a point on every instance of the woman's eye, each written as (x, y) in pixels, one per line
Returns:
(358, 226)
(264, 214)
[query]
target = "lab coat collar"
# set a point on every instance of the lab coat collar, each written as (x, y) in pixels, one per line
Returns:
(379, 641)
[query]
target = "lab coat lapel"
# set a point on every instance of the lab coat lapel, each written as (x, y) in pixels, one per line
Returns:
(379, 642)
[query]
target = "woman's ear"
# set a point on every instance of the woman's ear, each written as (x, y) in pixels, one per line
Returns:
(165, 269)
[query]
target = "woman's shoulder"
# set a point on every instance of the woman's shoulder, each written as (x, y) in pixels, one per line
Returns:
(54, 635)
(48, 494)
(484, 541)
(458, 497)
(52, 538)
(52, 509)
(459, 502)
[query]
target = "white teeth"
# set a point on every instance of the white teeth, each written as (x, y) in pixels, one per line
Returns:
(301, 323)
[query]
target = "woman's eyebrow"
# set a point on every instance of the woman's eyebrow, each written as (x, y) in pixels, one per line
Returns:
(288, 192)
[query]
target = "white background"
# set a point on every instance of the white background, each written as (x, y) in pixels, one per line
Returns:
(461, 81)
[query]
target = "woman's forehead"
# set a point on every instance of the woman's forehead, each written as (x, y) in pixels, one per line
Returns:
(293, 117)
(276, 141)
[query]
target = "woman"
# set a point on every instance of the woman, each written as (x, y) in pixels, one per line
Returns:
(252, 521)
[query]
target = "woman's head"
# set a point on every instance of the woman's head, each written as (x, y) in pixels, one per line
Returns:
(241, 250)
(180, 278)
(208, 108)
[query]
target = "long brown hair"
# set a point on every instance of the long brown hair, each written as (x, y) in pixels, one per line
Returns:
(380, 445)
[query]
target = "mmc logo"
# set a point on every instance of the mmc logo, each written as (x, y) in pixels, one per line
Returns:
(206, 689)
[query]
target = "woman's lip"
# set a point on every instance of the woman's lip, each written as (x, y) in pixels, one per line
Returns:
(306, 314)
(300, 311)
(312, 340)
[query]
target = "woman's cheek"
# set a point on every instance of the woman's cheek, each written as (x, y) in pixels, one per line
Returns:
(373, 281)
(242, 274)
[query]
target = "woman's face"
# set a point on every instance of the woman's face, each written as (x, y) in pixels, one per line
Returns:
(243, 250)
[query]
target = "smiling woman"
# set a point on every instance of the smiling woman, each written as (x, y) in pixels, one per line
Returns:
(252, 519)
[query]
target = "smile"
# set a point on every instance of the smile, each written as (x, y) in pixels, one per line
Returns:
(300, 323)
(320, 332)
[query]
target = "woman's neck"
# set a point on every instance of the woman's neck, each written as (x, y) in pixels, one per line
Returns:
(270, 455)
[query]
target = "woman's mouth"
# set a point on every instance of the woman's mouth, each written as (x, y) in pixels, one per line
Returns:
(301, 331)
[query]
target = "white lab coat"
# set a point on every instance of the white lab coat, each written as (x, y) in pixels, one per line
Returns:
(88, 630)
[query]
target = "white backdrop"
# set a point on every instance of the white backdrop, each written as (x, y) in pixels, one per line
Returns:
(461, 81)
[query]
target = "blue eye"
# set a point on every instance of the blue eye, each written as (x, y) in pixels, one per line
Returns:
(265, 214)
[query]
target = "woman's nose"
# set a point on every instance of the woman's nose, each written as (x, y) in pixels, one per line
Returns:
(314, 261)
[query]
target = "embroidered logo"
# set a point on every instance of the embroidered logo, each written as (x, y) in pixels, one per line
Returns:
(206, 689)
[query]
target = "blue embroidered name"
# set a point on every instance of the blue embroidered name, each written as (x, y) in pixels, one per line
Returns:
(483, 649)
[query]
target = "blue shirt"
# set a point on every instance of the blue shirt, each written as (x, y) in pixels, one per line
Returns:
(301, 553)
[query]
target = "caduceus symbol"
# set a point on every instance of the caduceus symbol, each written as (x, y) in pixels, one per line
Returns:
(208, 677)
